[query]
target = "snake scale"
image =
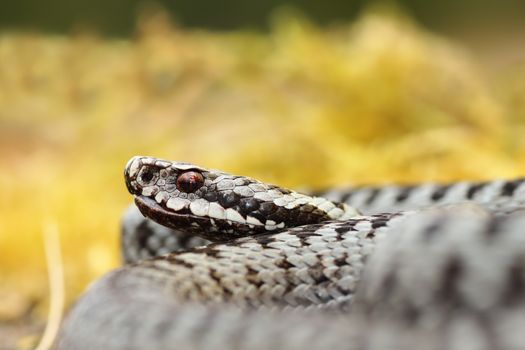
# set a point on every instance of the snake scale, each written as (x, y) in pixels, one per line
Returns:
(227, 262)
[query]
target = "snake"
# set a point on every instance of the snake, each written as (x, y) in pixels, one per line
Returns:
(221, 261)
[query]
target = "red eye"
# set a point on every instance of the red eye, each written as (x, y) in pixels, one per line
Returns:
(190, 181)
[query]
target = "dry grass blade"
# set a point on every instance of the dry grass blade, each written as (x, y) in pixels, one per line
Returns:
(56, 284)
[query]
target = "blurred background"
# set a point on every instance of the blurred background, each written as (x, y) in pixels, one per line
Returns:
(299, 93)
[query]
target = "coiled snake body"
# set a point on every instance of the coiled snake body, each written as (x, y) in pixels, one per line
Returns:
(418, 267)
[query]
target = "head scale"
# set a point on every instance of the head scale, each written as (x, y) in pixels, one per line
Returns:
(220, 206)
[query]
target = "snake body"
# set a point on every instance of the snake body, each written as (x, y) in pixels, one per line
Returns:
(417, 267)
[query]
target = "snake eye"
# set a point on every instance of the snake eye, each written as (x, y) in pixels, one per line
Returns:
(190, 181)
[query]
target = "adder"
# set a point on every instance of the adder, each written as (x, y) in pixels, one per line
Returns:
(218, 261)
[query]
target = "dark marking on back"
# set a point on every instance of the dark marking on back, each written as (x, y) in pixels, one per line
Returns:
(509, 187)
(379, 222)
(403, 194)
(440, 192)
(514, 291)
(448, 290)
(284, 264)
(216, 276)
(493, 226)
(341, 261)
(265, 239)
(209, 250)
(346, 196)
(411, 313)
(431, 229)
(252, 276)
(389, 283)
(374, 192)
(474, 188)
(343, 229)
(143, 233)
(316, 272)
(173, 259)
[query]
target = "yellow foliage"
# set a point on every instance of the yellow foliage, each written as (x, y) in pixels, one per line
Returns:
(379, 100)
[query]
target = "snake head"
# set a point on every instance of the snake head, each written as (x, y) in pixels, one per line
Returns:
(220, 206)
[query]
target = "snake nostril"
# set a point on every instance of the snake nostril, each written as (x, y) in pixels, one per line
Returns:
(146, 176)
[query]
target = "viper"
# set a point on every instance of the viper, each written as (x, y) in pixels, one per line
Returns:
(220, 261)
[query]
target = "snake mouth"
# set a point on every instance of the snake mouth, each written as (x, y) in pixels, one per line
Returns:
(151, 209)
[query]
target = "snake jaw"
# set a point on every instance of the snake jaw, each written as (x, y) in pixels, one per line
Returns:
(206, 227)
(151, 209)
